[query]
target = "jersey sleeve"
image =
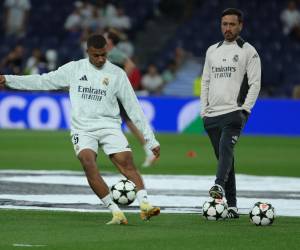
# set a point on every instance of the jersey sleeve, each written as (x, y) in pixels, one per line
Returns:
(254, 79)
(205, 85)
(53, 80)
(126, 95)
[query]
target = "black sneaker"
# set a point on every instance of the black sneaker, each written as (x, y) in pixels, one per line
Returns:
(216, 192)
(233, 213)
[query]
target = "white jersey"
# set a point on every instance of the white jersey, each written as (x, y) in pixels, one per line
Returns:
(231, 78)
(93, 93)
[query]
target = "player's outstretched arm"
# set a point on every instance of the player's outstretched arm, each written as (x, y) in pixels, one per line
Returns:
(53, 80)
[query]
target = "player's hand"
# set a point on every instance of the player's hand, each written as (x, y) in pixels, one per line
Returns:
(156, 151)
(2, 80)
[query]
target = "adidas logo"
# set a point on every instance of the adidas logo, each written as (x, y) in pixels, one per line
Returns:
(234, 139)
(83, 78)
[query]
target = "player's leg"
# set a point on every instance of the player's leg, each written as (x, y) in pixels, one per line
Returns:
(213, 130)
(87, 159)
(115, 144)
(231, 128)
(86, 147)
(230, 191)
(124, 162)
(232, 125)
(230, 188)
(238, 121)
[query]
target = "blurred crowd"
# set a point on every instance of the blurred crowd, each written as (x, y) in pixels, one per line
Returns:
(111, 19)
(87, 17)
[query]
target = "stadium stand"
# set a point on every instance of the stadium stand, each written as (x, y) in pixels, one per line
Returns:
(280, 54)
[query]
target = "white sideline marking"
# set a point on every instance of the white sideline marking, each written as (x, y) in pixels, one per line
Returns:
(27, 245)
(178, 203)
(168, 182)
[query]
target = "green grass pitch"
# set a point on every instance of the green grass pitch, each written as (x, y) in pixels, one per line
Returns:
(272, 156)
(69, 231)
(44, 150)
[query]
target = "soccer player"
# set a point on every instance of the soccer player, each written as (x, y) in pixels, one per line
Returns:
(95, 86)
(230, 86)
(116, 56)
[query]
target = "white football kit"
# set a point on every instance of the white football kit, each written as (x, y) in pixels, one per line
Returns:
(231, 78)
(95, 114)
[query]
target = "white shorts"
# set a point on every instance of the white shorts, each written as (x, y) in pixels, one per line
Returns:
(110, 140)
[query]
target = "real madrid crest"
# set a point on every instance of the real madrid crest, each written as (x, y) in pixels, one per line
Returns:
(105, 81)
(235, 58)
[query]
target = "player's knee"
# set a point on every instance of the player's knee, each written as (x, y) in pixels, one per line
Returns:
(87, 158)
(127, 166)
(86, 161)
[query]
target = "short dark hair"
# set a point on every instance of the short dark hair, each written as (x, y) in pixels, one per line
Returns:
(234, 11)
(114, 37)
(97, 41)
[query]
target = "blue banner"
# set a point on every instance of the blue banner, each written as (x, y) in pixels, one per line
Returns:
(26, 110)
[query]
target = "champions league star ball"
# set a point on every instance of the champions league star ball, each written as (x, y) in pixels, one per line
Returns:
(262, 214)
(215, 209)
(123, 192)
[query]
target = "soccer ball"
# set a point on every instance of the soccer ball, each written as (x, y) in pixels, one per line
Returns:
(123, 192)
(262, 214)
(215, 209)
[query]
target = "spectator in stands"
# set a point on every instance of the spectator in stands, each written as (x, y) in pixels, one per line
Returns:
(51, 58)
(107, 8)
(91, 17)
(290, 18)
(73, 21)
(95, 22)
(135, 77)
(36, 63)
(86, 9)
(120, 21)
(152, 81)
(13, 62)
(169, 73)
(126, 46)
(180, 56)
(16, 17)
(115, 55)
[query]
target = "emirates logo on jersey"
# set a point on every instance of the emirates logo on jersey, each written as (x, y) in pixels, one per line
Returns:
(105, 81)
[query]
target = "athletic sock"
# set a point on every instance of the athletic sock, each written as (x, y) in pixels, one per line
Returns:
(142, 196)
(108, 202)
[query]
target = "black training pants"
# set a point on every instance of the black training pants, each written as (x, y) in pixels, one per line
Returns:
(224, 131)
